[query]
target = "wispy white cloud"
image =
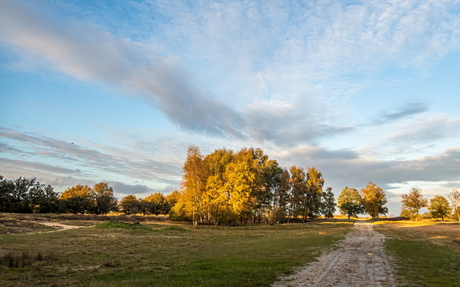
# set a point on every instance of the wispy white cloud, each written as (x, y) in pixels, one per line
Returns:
(419, 133)
(81, 51)
(349, 168)
(32, 147)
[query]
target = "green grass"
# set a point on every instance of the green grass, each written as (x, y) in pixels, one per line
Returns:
(203, 256)
(424, 264)
(423, 255)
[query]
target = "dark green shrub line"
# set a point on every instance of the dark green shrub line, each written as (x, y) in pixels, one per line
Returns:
(24, 259)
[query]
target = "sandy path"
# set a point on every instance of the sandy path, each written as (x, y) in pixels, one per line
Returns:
(359, 261)
(59, 225)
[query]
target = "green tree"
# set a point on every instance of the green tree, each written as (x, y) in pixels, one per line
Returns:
(315, 183)
(281, 198)
(129, 204)
(374, 199)
(413, 201)
(27, 195)
(156, 204)
(439, 207)
(44, 199)
(350, 202)
(78, 199)
(104, 199)
(454, 197)
(268, 181)
(299, 197)
(328, 203)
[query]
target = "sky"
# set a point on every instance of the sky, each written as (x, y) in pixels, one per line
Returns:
(116, 91)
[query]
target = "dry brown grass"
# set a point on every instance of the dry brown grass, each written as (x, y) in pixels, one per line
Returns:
(432, 231)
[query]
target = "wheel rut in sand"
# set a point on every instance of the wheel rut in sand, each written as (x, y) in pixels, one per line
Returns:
(360, 260)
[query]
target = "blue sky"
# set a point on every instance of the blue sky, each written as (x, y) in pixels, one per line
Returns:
(117, 90)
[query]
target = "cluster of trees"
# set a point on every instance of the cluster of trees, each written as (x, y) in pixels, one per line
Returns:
(438, 207)
(155, 204)
(227, 187)
(84, 199)
(25, 195)
(371, 200)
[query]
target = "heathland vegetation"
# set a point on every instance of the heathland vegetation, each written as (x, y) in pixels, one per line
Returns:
(111, 242)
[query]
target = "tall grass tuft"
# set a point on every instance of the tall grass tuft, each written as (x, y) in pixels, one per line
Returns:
(24, 259)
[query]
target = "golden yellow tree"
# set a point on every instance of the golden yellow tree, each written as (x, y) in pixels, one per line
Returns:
(374, 199)
(193, 185)
(413, 201)
(241, 180)
(129, 204)
(216, 198)
(78, 199)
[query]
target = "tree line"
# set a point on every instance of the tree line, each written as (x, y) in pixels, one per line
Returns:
(25, 195)
(438, 206)
(225, 187)
(371, 200)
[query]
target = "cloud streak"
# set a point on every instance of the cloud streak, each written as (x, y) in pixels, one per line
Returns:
(401, 112)
(80, 50)
(87, 158)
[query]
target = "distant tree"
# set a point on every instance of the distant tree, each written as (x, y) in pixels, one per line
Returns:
(413, 201)
(156, 203)
(78, 199)
(439, 207)
(172, 198)
(374, 200)
(281, 198)
(315, 183)
(27, 195)
(350, 202)
(193, 184)
(104, 199)
(44, 199)
(405, 213)
(328, 203)
(299, 196)
(19, 197)
(427, 215)
(454, 197)
(129, 204)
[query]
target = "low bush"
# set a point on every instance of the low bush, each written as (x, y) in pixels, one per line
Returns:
(122, 225)
(24, 259)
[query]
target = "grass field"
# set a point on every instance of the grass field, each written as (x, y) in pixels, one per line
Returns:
(157, 253)
(425, 253)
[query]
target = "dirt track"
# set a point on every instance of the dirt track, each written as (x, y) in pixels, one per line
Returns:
(359, 261)
(59, 225)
